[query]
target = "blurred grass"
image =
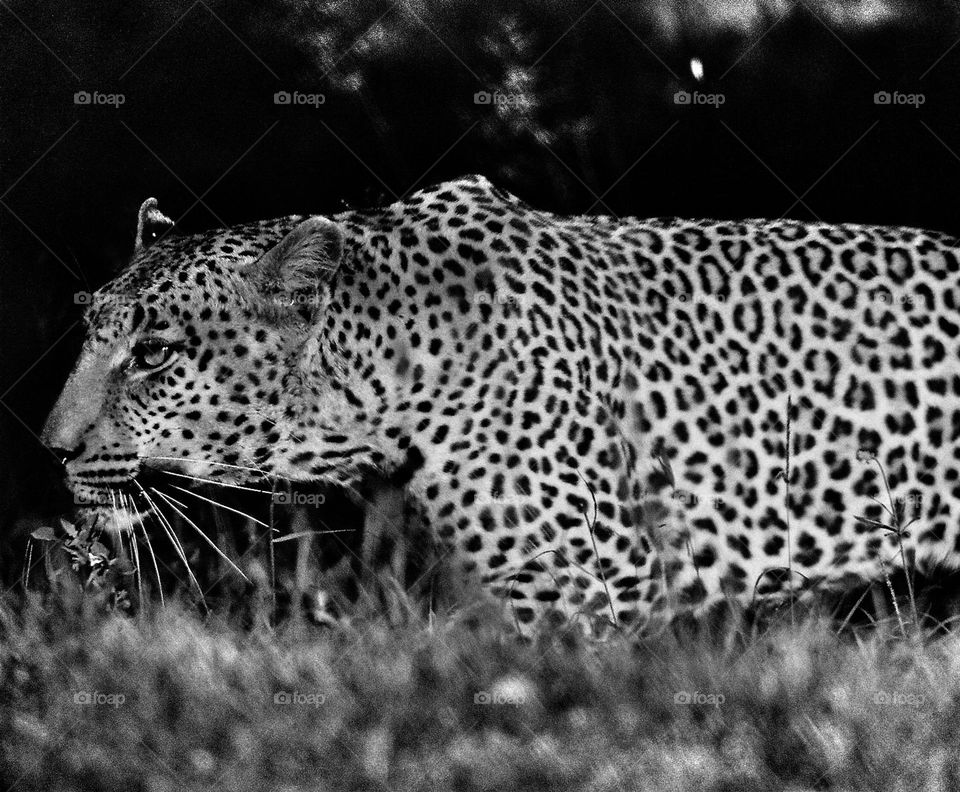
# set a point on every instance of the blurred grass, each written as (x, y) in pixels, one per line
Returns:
(381, 707)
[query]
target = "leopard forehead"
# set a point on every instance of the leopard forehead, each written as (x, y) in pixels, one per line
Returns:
(179, 259)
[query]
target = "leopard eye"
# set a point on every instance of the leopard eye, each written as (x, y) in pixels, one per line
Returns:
(151, 355)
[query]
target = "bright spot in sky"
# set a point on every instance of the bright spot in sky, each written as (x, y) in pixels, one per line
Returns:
(696, 67)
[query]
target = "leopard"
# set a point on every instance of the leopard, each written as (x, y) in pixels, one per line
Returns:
(605, 419)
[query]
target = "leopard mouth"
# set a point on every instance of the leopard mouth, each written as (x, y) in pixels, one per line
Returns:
(125, 517)
(113, 506)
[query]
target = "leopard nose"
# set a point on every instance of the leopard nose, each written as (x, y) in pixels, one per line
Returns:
(67, 454)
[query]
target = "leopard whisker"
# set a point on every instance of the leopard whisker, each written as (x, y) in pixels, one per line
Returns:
(169, 497)
(258, 471)
(222, 506)
(127, 503)
(116, 517)
(305, 534)
(153, 556)
(215, 482)
(170, 501)
(174, 540)
(121, 513)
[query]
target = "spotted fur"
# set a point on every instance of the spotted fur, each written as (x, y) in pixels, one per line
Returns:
(622, 418)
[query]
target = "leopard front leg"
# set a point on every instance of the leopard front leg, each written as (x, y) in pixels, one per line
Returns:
(569, 542)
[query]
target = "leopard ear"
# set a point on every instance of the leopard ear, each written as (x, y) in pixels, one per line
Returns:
(296, 267)
(151, 225)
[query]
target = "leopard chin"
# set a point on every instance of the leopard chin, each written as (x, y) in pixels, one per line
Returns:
(113, 510)
(114, 522)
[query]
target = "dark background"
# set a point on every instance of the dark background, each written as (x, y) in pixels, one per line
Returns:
(593, 127)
